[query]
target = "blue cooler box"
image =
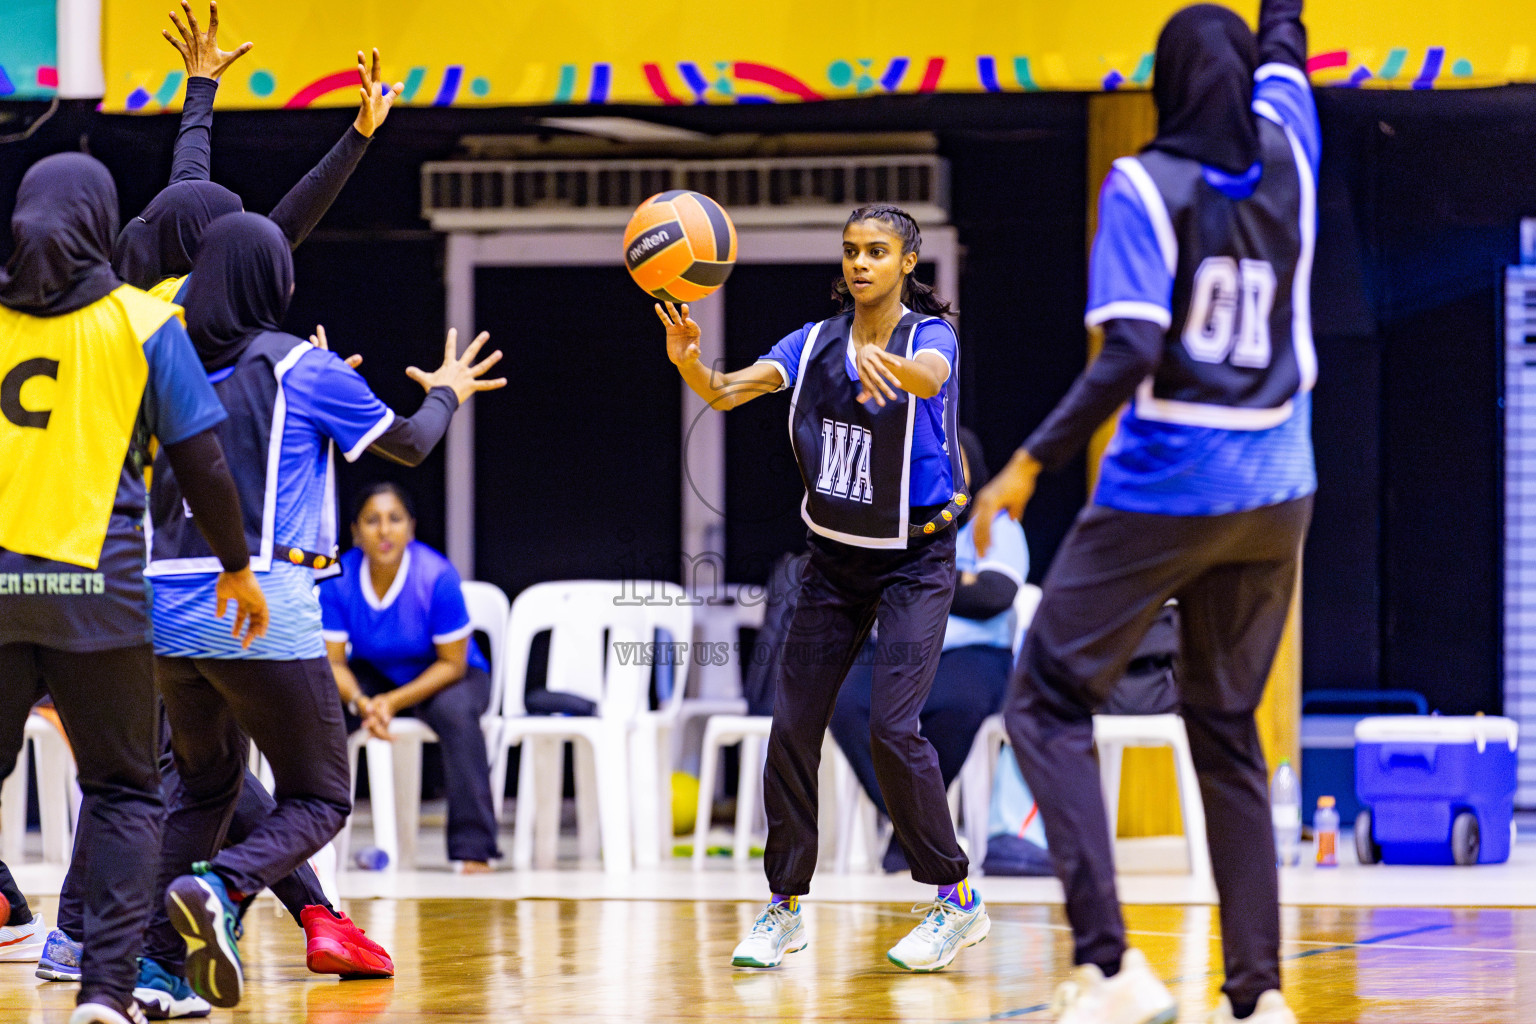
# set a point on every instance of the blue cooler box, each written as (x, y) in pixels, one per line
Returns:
(1435, 790)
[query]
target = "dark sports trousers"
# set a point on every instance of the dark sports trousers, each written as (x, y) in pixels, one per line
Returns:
(297, 891)
(1234, 576)
(969, 685)
(293, 712)
(106, 700)
(844, 590)
(454, 714)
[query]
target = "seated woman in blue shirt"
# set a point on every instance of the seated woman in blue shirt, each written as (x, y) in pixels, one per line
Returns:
(978, 653)
(398, 603)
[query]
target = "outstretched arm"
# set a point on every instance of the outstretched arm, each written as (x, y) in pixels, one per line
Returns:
(1282, 36)
(305, 203)
(720, 390)
(205, 63)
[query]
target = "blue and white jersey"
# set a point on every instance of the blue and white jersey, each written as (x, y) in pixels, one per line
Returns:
(397, 632)
(1008, 555)
(288, 402)
(1224, 424)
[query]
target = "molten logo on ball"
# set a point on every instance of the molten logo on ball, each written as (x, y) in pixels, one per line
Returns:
(680, 246)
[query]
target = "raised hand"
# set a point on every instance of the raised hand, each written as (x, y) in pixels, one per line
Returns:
(461, 373)
(318, 340)
(200, 51)
(682, 333)
(377, 95)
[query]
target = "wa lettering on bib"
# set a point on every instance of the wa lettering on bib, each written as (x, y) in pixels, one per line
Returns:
(845, 450)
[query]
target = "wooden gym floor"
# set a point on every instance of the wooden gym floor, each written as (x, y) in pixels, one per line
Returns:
(469, 961)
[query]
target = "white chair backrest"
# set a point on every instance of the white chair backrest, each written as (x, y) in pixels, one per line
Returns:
(489, 610)
(577, 614)
(1024, 604)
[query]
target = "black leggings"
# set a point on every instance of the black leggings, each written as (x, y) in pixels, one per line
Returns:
(106, 700)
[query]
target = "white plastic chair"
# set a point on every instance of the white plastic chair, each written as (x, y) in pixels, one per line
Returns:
(394, 765)
(587, 621)
(58, 795)
(667, 609)
(751, 731)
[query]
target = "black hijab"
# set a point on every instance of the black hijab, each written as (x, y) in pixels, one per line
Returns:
(1202, 82)
(240, 287)
(65, 217)
(162, 241)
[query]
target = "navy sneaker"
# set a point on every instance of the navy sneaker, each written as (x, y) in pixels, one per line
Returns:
(164, 996)
(60, 960)
(202, 912)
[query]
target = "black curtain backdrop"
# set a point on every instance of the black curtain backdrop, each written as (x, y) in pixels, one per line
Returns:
(1420, 197)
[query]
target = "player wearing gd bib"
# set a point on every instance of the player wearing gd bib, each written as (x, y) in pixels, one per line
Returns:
(1200, 277)
(873, 426)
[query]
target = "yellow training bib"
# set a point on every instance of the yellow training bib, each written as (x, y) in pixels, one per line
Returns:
(167, 288)
(70, 391)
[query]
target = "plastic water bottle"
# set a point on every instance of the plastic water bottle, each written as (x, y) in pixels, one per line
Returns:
(1325, 826)
(371, 858)
(1285, 814)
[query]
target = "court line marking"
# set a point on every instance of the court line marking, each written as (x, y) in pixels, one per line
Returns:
(1025, 1011)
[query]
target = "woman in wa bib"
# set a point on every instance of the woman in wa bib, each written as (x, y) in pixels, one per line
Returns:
(873, 425)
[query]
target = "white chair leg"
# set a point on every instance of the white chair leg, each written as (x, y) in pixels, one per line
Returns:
(381, 795)
(613, 803)
(550, 755)
(54, 780)
(847, 788)
(324, 863)
(751, 779)
(498, 753)
(1111, 753)
(1192, 806)
(13, 810)
(709, 759)
(344, 837)
(407, 766)
(645, 791)
(828, 809)
(588, 819)
(523, 826)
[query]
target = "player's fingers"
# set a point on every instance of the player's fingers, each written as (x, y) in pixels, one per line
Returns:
(213, 19)
(223, 604)
(416, 375)
(662, 316)
(241, 615)
(191, 18)
(474, 347)
(490, 385)
(243, 49)
(485, 364)
(354, 361)
(173, 41)
(451, 345)
(181, 29)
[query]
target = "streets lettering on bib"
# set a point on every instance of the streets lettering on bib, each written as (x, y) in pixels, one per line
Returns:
(856, 458)
(1237, 351)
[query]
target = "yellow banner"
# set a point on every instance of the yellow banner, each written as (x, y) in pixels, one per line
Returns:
(495, 53)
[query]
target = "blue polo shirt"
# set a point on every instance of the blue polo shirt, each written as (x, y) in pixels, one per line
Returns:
(397, 632)
(932, 482)
(1008, 555)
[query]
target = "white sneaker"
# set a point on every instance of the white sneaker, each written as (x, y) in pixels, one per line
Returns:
(944, 931)
(777, 931)
(1272, 1009)
(23, 942)
(1133, 996)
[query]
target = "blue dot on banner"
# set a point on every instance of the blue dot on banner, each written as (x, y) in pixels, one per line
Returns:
(263, 83)
(1462, 68)
(480, 87)
(137, 99)
(840, 74)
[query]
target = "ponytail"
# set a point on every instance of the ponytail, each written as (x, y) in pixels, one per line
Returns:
(916, 295)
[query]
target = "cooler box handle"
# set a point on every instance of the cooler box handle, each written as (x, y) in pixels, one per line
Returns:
(1408, 755)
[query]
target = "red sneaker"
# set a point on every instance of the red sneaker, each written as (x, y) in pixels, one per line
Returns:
(337, 946)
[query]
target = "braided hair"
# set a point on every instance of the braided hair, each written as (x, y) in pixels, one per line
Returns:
(914, 294)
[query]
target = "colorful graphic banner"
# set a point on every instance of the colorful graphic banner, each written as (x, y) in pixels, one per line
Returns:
(492, 53)
(29, 50)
